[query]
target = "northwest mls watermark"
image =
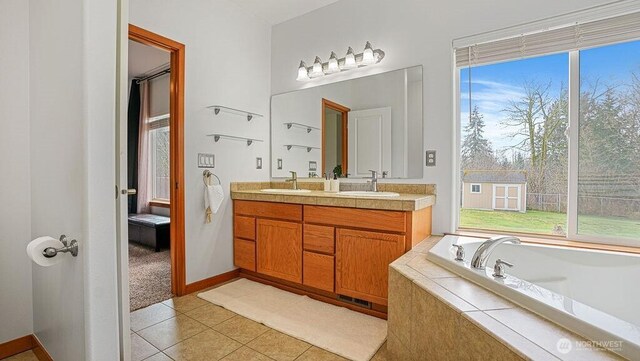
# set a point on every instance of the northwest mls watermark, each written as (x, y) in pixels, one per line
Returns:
(565, 345)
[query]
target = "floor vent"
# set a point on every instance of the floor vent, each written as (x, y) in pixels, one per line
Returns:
(355, 301)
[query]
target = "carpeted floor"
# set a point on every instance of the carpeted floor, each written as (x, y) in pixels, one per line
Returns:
(149, 276)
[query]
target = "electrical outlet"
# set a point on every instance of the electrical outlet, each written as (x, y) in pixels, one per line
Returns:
(206, 160)
(313, 166)
(431, 158)
(279, 163)
(258, 163)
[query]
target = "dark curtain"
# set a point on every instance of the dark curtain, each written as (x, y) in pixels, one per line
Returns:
(133, 129)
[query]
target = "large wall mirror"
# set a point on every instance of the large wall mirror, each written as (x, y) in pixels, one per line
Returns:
(351, 127)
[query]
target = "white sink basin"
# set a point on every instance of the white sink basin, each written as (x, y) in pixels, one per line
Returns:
(368, 194)
(286, 191)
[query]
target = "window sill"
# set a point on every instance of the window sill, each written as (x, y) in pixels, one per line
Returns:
(547, 240)
(160, 203)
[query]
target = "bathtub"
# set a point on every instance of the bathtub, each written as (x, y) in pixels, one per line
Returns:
(595, 294)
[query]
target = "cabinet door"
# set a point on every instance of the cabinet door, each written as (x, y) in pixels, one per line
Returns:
(362, 262)
(279, 249)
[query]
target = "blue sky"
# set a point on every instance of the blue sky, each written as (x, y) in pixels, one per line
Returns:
(494, 85)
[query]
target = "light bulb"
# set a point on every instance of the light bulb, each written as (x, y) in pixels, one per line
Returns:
(349, 60)
(303, 74)
(367, 55)
(333, 67)
(316, 70)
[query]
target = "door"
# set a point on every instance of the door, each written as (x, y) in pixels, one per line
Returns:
(369, 141)
(362, 263)
(279, 249)
(506, 197)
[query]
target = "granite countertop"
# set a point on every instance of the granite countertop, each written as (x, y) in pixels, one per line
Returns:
(412, 197)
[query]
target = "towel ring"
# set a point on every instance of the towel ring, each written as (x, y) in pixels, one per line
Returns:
(206, 175)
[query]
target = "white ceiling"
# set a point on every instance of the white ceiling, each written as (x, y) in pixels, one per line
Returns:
(278, 11)
(143, 58)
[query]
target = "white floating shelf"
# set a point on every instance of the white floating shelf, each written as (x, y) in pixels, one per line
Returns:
(219, 108)
(308, 148)
(217, 137)
(300, 125)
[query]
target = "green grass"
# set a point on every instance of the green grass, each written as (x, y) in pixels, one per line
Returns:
(544, 223)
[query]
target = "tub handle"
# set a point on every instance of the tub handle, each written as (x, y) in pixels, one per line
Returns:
(498, 269)
(459, 252)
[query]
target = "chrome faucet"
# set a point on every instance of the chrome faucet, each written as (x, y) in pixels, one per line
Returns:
(374, 180)
(481, 256)
(294, 179)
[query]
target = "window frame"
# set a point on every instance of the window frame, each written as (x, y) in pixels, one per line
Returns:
(479, 188)
(572, 150)
(152, 156)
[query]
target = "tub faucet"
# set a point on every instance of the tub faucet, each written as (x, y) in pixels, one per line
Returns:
(480, 258)
(294, 179)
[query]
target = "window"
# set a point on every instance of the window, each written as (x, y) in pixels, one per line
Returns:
(564, 111)
(475, 188)
(159, 157)
(609, 142)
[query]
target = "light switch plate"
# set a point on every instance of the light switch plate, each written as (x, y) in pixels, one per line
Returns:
(279, 163)
(259, 163)
(431, 158)
(206, 160)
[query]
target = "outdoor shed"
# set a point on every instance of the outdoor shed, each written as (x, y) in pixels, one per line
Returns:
(504, 190)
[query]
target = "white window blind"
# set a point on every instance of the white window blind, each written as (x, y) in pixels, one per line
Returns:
(572, 37)
(160, 121)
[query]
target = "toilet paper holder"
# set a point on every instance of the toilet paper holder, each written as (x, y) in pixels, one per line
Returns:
(69, 247)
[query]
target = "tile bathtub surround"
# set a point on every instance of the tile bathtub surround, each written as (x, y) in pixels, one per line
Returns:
(191, 330)
(428, 305)
(410, 198)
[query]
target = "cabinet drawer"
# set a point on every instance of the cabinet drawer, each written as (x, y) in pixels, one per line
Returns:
(244, 227)
(392, 221)
(244, 254)
(319, 238)
(290, 212)
(318, 271)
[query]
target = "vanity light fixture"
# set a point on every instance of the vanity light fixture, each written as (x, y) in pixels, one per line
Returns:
(332, 65)
(303, 74)
(367, 55)
(316, 69)
(351, 60)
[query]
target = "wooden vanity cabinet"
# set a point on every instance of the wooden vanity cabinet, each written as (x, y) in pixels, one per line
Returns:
(327, 251)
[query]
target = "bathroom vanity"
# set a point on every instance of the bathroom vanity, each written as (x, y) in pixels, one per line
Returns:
(331, 247)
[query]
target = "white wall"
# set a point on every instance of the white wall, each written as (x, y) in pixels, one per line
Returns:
(159, 95)
(15, 209)
(411, 32)
(227, 63)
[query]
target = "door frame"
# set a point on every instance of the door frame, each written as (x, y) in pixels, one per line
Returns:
(176, 150)
(326, 103)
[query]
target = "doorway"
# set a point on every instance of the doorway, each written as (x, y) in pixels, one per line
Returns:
(164, 191)
(335, 137)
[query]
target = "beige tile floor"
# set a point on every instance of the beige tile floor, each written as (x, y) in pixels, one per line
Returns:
(189, 328)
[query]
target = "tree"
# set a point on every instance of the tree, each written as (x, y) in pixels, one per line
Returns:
(540, 120)
(476, 149)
